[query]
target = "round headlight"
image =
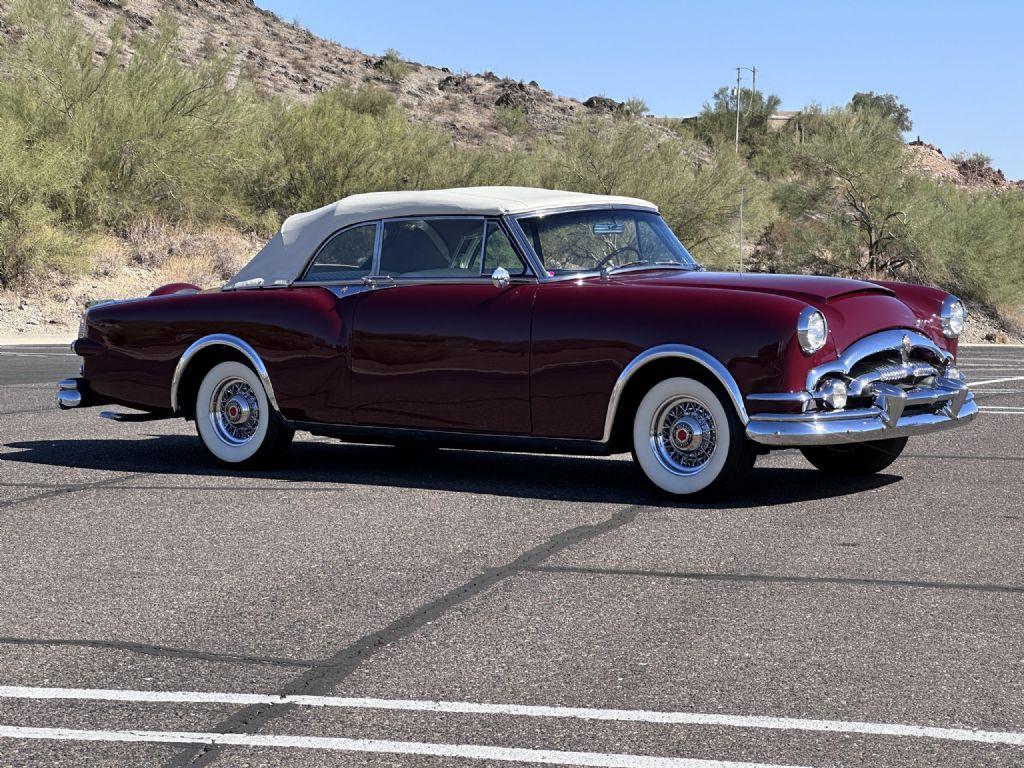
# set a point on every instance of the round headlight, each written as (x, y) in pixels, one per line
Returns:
(954, 317)
(811, 330)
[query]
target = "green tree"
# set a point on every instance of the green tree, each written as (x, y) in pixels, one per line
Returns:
(851, 193)
(696, 189)
(148, 136)
(886, 104)
(716, 122)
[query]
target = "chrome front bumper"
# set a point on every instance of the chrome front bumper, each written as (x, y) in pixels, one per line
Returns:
(948, 403)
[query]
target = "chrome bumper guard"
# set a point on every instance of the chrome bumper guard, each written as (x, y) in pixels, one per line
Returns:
(947, 403)
(68, 395)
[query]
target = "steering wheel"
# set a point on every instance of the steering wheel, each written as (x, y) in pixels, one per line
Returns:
(615, 253)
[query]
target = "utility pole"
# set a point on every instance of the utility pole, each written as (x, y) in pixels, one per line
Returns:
(741, 228)
(738, 109)
(753, 90)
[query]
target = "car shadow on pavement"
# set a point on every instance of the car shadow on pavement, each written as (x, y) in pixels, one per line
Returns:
(606, 480)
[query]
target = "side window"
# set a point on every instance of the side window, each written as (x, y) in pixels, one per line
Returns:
(432, 248)
(346, 256)
(500, 252)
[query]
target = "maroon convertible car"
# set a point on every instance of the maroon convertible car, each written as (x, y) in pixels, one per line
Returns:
(525, 319)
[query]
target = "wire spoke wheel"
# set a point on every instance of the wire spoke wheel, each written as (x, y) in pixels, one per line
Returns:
(234, 411)
(683, 435)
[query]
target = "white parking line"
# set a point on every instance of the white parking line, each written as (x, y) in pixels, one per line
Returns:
(995, 381)
(470, 751)
(36, 354)
(524, 710)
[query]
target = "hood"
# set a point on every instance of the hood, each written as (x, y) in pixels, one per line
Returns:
(853, 308)
(807, 288)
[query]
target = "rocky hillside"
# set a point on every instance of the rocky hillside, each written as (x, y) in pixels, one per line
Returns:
(289, 60)
(973, 173)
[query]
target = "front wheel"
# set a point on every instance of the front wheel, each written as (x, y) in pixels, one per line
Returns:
(688, 442)
(856, 458)
(235, 420)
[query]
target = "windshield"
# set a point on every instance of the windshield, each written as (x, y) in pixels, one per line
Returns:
(581, 241)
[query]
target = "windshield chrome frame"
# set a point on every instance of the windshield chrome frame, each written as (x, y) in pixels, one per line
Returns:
(524, 244)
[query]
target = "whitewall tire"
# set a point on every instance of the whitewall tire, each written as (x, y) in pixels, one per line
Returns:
(234, 417)
(687, 442)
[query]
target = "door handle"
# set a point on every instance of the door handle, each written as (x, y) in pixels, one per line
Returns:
(379, 281)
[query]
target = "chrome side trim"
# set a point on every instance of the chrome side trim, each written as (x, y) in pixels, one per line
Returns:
(683, 352)
(342, 291)
(878, 342)
(224, 340)
(798, 398)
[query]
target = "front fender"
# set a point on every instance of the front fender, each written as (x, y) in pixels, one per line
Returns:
(586, 333)
(926, 303)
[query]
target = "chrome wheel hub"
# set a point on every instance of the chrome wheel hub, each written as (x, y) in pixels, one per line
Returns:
(237, 411)
(234, 411)
(686, 434)
(683, 435)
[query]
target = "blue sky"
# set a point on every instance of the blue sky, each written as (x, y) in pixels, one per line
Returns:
(958, 65)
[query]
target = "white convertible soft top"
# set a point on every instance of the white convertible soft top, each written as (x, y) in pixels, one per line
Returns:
(282, 259)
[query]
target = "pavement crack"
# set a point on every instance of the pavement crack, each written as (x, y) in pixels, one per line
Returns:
(161, 651)
(324, 676)
(25, 411)
(74, 488)
(763, 578)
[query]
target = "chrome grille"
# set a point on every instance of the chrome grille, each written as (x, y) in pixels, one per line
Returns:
(885, 355)
(903, 374)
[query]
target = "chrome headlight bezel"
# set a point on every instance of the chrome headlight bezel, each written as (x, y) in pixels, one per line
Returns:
(953, 316)
(811, 330)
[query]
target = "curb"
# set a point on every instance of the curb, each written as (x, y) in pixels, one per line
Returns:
(35, 341)
(993, 345)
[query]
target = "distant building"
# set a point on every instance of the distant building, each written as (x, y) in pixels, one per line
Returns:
(780, 119)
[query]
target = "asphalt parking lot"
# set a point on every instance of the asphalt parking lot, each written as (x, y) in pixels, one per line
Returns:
(369, 606)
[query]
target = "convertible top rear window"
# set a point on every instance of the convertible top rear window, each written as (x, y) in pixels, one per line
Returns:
(581, 241)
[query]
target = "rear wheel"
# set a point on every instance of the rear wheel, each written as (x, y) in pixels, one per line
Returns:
(855, 458)
(687, 442)
(235, 420)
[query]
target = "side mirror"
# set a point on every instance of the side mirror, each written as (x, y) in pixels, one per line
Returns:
(500, 277)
